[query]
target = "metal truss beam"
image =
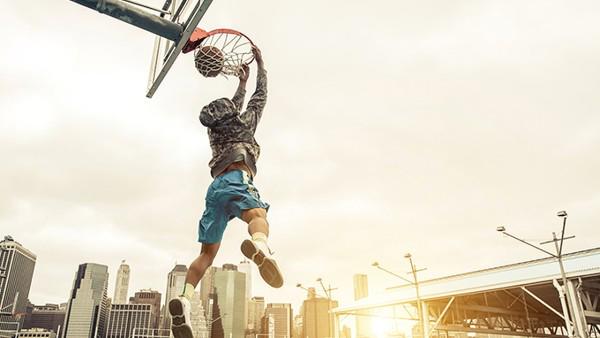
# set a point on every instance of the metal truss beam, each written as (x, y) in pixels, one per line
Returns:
(458, 328)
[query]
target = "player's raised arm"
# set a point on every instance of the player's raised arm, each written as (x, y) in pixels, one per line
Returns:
(257, 102)
(240, 93)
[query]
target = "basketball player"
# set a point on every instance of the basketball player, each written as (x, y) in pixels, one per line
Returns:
(232, 193)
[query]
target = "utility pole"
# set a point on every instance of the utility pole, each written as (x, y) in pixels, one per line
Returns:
(569, 309)
(414, 271)
(415, 282)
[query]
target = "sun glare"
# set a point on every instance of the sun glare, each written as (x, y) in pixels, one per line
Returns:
(380, 327)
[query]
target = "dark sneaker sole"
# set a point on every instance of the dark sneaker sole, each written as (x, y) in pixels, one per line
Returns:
(178, 326)
(269, 271)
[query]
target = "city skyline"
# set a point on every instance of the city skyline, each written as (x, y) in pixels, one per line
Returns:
(91, 281)
(116, 319)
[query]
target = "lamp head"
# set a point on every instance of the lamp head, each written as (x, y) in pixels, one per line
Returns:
(501, 229)
(319, 279)
(407, 255)
(561, 213)
(298, 285)
(375, 264)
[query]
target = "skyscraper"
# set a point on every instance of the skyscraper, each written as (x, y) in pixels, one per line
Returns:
(122, 284)
(207, 284)
(149, 297)
(230, 286)
(16, 273)
(278, 320)
(175, 284)
(316, 320)
(246, 268)
(127, 319)
(361, 290)
(215, 317)
(256, 310)
(198, 317)
(87, 308)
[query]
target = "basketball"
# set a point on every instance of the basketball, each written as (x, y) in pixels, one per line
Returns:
(209, 60)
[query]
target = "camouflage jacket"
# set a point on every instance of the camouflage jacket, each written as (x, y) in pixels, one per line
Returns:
(230, 132)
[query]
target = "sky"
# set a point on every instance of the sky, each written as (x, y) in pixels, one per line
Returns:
(390, 127)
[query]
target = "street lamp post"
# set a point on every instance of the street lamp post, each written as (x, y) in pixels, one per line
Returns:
(415, 283)
(558, 245)
(329, 300)
(414, 271)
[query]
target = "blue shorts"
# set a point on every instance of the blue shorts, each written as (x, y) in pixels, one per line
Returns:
(227, 196)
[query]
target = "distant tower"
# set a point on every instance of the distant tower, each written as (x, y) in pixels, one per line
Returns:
(256, 310)
(149, 297)
(125, 318)
(87, 309)
(207, 284)
(198, 318)
(361, 290)
(175, 284)
(122, 284)
(278, 320)
(245, 267)
(16, 274)
(315, 315)
(230, 286)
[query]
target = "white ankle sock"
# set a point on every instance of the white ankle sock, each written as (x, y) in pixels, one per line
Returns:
(259, 236)
(188, 291)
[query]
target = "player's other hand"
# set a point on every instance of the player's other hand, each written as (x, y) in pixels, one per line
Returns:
(244, 73)
(257, 55)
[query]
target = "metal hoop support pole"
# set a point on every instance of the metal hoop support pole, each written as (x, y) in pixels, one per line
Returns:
(135, 16)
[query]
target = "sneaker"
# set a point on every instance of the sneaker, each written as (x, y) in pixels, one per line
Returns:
(259, 253)
(180, 308)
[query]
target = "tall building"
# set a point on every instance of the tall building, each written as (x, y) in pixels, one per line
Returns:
(256, 310)
(278, 320)
(317, 322)
(361, 290)
(198, 318)
(230, 286)
(209, 302)
(122, 284)
(16, 273)
(88, 306)
(246, 268)
(49, 317)
(175, 284)
(215, 317)
(127, 319)
(298, 325)
(149, 297)
(207, 285)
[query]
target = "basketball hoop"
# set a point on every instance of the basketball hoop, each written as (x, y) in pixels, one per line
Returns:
(220, 51)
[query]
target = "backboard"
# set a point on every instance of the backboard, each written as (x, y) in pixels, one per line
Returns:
(186, 13)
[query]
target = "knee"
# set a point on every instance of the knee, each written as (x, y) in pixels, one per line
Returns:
(254, 214)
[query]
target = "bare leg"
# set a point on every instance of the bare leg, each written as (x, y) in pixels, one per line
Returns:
(257, 220)
(257, 249)
(200, 264)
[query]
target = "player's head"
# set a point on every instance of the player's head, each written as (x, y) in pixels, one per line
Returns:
(217, 111)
